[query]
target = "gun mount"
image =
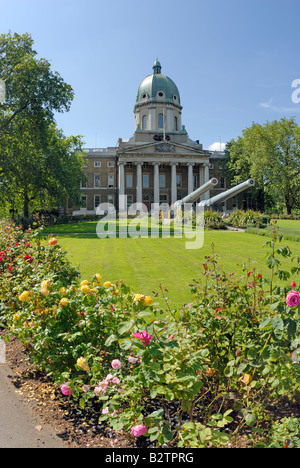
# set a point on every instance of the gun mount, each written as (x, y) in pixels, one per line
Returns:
(192, 197)
(218, 199)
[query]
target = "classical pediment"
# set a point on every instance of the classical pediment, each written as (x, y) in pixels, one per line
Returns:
(161, 149)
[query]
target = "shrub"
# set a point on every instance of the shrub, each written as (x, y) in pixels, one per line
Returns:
(177, 376)
(243, 219)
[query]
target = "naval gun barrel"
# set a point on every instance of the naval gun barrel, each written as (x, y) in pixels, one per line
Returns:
(218, 199)
(191, 197)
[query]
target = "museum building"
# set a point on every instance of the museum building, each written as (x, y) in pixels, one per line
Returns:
(159, 163)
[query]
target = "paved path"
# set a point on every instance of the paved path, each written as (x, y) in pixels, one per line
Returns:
(19, 428)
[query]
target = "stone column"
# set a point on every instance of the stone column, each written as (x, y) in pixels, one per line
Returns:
(122, 200)
(139, 183)
(173, 183)
(156, 182)
(190, 177)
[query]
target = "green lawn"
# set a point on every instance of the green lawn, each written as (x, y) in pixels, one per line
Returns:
(289, 229)
(145, 263)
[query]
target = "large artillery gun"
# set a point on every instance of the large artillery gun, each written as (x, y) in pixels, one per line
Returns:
(193, 196)
(216, 201)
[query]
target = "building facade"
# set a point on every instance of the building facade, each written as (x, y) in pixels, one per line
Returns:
(158, 164)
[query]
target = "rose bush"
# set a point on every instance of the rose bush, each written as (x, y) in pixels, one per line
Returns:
(177, 376)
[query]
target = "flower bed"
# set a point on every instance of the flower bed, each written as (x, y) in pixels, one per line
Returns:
(192, 377)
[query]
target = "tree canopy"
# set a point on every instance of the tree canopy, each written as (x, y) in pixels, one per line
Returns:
(270, 154)
(37, 162)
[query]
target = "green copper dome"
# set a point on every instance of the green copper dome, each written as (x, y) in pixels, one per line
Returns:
(158, 88)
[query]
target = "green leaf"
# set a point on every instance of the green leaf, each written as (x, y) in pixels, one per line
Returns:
(125, 327)
(110, 340)
(157, 414)
(250, 419)
(125, 344)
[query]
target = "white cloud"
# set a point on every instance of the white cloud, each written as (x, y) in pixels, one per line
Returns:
(217, 146)
(268, 105)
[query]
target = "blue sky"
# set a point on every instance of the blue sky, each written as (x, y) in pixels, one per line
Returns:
(233, 61)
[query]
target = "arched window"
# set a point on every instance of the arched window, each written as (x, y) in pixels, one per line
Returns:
(175, 124)
(144, 122)
(160, 120)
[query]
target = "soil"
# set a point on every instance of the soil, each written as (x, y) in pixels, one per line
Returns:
(75, 428)
(79, 428)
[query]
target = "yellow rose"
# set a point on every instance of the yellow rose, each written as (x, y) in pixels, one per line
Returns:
(138, 298)
(45, 284)
(64, 302)
(246, 379)
(84, 283)
(24, 296)
(98, 277)
(107, 284)
(148, 300)
(45, 292)
(85, 289)
(62, 291)
(82, 363)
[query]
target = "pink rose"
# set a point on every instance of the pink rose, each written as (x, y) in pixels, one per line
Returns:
(293, 298)
(132, 359)
(143, 336)
(293, 284)
(138, 431)
(65, 390)
(116, 364)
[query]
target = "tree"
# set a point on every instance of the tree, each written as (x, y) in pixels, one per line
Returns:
(270, 154)
(37, 162)
(31, 86)
(47, 172)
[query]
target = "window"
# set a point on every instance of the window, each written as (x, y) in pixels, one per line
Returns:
(97, 199)
(83, 201)
(111, 181)
(97, 182)
(222, 183)
(144, 122)
(195, 179)
(160, 120)
(85, 165)
(178, 180)
(175, 124)
(129, 180)
(111, 199)
(146, 180)
(97, 164)
(110, 164)
(83, 184)
(129, 165)
(162, 181)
